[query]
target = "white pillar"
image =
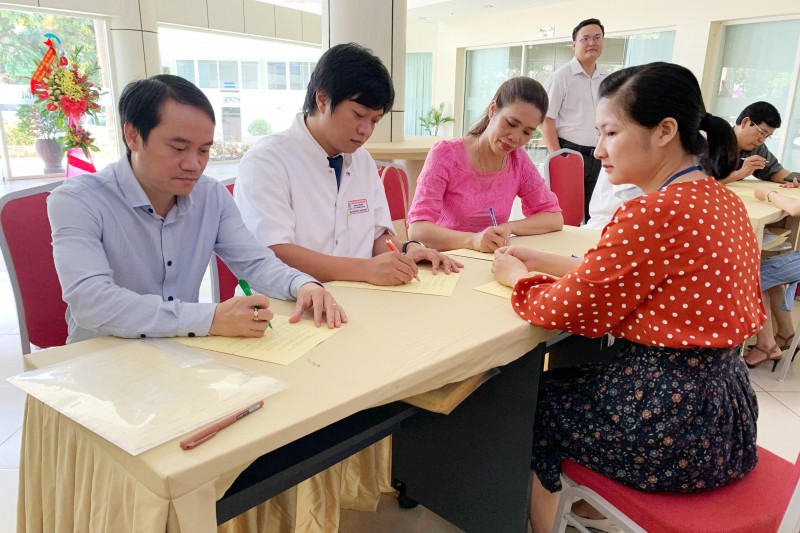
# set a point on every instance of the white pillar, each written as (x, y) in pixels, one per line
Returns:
(381, 27)
(134, 43)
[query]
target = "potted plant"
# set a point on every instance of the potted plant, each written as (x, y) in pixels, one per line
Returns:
(45, 131)
(434, 118)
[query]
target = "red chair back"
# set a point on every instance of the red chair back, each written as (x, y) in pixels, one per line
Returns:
(27, 245)
(396, 188)
(223, 282)
(564, 171)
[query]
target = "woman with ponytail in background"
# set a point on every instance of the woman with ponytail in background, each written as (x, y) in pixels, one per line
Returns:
(675, 274)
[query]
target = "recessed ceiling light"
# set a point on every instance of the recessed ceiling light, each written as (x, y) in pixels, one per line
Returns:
(487, 6)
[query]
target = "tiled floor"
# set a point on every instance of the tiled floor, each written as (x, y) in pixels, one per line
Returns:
(778, 429)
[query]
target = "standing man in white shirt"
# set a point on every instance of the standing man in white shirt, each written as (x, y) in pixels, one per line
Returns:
(572, 90)
(312, 193)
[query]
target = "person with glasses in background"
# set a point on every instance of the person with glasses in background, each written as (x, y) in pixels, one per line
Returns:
(572, 91)
(754, 125)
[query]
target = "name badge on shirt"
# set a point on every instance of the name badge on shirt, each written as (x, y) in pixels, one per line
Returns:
(357, 206)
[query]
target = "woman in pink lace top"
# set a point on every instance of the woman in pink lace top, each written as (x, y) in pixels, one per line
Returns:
(464, 178)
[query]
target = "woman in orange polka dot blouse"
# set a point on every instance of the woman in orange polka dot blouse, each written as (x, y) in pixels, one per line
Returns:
(675, 274)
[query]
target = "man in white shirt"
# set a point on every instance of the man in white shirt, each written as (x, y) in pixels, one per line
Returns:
(572, 90)
(312, 193)
(606, 199)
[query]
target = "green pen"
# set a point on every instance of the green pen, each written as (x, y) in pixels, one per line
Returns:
(246, 288)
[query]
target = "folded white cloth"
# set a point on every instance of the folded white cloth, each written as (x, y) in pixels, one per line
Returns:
(604, 524)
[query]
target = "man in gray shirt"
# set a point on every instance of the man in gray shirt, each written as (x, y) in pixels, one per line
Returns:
(131, 243)
(754, 125)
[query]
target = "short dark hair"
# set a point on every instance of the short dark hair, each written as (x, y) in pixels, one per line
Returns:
(759, 112)
(350, 71)
(650, 93)
(141, 102)
(519, 89)
(587, 22)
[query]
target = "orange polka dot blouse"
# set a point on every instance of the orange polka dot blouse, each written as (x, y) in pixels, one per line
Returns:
(676, 268)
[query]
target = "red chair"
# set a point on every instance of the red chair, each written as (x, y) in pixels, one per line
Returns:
(27, 245)
(563, 170)
(223, 282)
(396, 188)
(766, 500)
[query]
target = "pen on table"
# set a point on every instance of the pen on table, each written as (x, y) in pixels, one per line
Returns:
(393, 248)
(494, 220)
(246, 288)
(203, 435)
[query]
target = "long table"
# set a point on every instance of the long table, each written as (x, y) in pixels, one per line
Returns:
(343, 396)
(763, 213)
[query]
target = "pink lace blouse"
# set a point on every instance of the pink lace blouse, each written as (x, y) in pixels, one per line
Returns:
(453, 194)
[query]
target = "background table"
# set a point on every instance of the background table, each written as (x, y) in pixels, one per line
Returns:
(396, 345)
(411, 153)
(764, 213)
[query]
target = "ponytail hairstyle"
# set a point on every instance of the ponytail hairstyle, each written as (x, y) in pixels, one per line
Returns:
(519, 89)
(650, 93)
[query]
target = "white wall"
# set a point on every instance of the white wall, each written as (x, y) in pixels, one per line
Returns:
(697, 24)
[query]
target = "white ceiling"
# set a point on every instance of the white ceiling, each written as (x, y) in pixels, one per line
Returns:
(444, 10)
(433, 10)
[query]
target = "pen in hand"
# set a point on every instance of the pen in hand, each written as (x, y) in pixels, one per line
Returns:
(393, 248)
(494, 220)
(204, 434)
(246, 288)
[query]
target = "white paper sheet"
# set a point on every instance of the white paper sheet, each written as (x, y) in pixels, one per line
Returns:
(145, 392)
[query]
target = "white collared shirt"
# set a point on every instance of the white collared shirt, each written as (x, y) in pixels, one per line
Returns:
(287, 194)
(606, 199)
(573, 102)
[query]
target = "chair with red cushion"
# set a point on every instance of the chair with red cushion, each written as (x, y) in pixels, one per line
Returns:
(223, 282)
(396, 186)
(27, 246)
(766, 500)
(563, 170)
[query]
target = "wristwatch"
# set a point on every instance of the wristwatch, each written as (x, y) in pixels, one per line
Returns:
(405, 245)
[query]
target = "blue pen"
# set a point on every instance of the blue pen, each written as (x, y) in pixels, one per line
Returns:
(246, 288)
(494, 220)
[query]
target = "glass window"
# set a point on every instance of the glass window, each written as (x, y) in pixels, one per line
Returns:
(249, 74)
(24, 127)
(185, 69)
(759, 63)
(486, 70)
(276, 75)
(299, 75)
(419, 76)
(207, 72)
(229, 74)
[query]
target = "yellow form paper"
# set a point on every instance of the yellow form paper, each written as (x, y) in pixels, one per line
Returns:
(282, 344)
(463, 252)
(439, 285)
(496, 289)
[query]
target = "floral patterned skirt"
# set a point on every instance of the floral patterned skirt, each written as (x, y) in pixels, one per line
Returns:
(655, 419)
